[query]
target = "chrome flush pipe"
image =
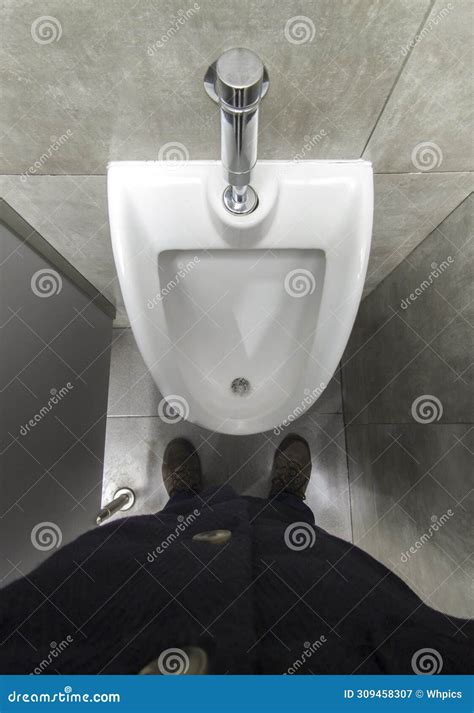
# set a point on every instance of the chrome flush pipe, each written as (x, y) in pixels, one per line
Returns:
(238, 81)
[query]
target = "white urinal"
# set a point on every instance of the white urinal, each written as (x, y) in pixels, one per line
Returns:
(241, 319)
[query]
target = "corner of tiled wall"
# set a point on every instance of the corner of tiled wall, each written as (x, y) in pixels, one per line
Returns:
(408, 408)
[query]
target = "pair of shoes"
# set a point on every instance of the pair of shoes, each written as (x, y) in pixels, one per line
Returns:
(291, 469)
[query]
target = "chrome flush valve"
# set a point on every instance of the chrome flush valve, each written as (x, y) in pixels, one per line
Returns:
(238, 81)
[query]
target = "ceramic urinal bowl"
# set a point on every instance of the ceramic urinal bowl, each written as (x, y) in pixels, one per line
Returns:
(241, 320)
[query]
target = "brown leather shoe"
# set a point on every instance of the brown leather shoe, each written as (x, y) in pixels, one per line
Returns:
(291, 467)
(181, 468)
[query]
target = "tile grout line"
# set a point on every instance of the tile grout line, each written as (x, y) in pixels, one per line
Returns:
(398, 76)
(407, 256)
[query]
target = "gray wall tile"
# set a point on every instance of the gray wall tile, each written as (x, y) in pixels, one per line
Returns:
(407, 208)
(431, 101)
(122, 95)
(413, 336)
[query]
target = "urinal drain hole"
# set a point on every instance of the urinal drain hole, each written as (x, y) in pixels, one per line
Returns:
(240, 386)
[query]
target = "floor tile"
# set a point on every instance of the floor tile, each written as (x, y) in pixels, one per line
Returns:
(412, 506)
(135, 447)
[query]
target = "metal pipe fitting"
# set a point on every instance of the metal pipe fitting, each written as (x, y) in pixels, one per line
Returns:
(238, 81)
(123, 499)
